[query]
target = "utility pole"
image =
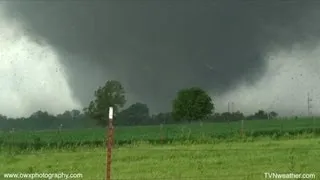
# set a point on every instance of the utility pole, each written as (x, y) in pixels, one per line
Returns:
(232, 107)
(309, 100)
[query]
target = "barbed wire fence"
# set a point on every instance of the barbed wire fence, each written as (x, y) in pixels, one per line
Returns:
(110, 145)
(162, 136)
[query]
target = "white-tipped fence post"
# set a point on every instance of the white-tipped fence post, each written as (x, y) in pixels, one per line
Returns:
(242, 124)
(60, 127)
(161, 133)
(109, 144)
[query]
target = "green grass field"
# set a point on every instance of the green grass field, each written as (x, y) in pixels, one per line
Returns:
(155, 134)
(193, 151)
(225, 161)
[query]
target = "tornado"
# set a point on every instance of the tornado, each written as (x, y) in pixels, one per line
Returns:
(259, 55)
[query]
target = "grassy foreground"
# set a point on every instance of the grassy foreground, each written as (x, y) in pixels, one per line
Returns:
(230, 161)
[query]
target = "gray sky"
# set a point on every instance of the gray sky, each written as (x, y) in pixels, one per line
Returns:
(157, 47)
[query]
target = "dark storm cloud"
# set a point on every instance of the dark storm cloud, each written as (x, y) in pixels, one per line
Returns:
(157, 47)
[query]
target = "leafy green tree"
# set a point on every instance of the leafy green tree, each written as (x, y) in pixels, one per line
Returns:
(238, 116)
(261, 114)
(111, 94)
(75, 113)
(192, 104)
(163, 118)
(226, 116)
(65, 115)
(273, 115)
(136, 114)
(3, 117)
(42, 119)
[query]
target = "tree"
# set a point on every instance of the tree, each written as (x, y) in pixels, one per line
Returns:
(111, 94)
(3, 117)
(261, 114)
(238, 116)
(192, 104)
(65, 115)
(42, 119)
(135, 114)
(226, 116)
(162, 118)
(75, 113)
(273, 115)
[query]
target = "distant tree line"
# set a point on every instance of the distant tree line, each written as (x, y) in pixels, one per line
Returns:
(190, 104)
(42, 120)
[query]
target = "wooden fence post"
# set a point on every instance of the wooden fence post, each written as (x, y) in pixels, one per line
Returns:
(109, 144)
(242, 124)
(161, 133)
